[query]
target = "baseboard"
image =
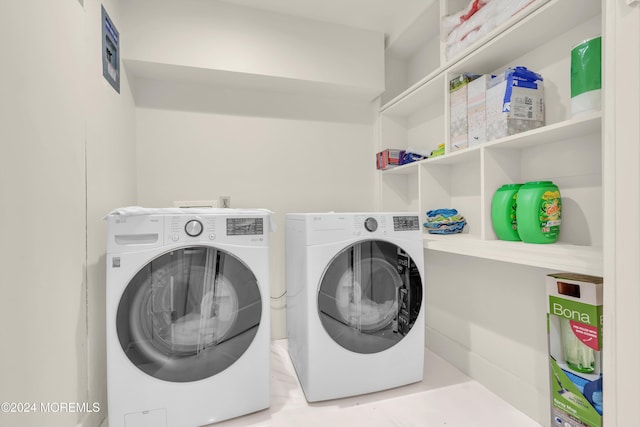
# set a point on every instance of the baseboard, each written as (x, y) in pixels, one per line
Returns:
(523, 396)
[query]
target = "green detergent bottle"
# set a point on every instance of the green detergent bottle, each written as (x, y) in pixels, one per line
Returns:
(503, 212)
(539, 212)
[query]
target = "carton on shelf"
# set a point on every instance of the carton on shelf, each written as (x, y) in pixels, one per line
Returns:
(477, 110)
(458, 131)
(388, 158)
(574, 325)
(514, 103)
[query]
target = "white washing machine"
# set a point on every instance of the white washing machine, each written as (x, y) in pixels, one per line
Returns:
(188, 334)
(355, 301)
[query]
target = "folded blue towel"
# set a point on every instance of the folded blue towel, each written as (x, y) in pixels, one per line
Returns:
(454, 227)
(444, 221)
(444, 213)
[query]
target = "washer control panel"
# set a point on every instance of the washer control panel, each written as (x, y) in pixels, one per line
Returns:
(183, 228)
(209, 228)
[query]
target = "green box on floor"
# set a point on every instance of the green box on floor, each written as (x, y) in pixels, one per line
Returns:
(574, 321)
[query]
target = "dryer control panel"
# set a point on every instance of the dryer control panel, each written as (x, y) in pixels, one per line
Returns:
(400, 223)
(331, 227)
(397, 225)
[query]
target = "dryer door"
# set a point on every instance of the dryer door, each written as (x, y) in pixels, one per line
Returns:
(370, 296)
(189, 314)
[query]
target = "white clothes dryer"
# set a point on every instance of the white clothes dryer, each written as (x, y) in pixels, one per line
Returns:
(355, 301)
(188, 334)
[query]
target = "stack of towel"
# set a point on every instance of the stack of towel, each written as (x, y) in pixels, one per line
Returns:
(444, 221)
(479, 18)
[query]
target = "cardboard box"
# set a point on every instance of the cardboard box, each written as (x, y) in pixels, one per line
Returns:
(458, 132)
(513, 105)
(574, 321)
(458, 135)
(388, 158)
(477, 110)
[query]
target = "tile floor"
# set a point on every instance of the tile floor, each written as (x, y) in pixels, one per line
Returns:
(446, 397)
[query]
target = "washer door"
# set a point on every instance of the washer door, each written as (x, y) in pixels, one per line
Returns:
(189, 314)
(370, 296)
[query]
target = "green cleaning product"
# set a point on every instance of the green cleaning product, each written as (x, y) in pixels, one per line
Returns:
(574, 328)
(539, 212)
(586, 76)
(503, 212)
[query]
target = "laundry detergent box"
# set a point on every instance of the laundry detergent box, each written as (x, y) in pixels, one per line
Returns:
(514, 103)
(477, 110)
(458, 130)
(574, 321)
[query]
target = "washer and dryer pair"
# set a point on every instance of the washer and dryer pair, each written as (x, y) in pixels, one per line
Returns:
(188, 334)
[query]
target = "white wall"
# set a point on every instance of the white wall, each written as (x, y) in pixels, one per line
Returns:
(268, 109)
(285, 164)
(488, 318)
(68, 148)
(622, 201)
(110, 182)
(42, 216)
(221, 37)
(63, 132)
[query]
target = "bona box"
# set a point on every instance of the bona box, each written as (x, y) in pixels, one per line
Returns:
(575, 342)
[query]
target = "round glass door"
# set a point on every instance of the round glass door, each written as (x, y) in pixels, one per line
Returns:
(370, 296)
(189, 314)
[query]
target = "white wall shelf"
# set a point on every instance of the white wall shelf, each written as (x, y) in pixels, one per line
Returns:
(207, 78)
(546, 21)
(572, 128)
(560, 256)
(567, 150)
(416, 96)
(520, 34)
(584, 125)
(557, 256)
(408, 169)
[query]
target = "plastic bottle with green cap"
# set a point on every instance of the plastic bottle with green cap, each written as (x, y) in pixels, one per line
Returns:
(539, 212)
(586, 76)
(503, 212)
